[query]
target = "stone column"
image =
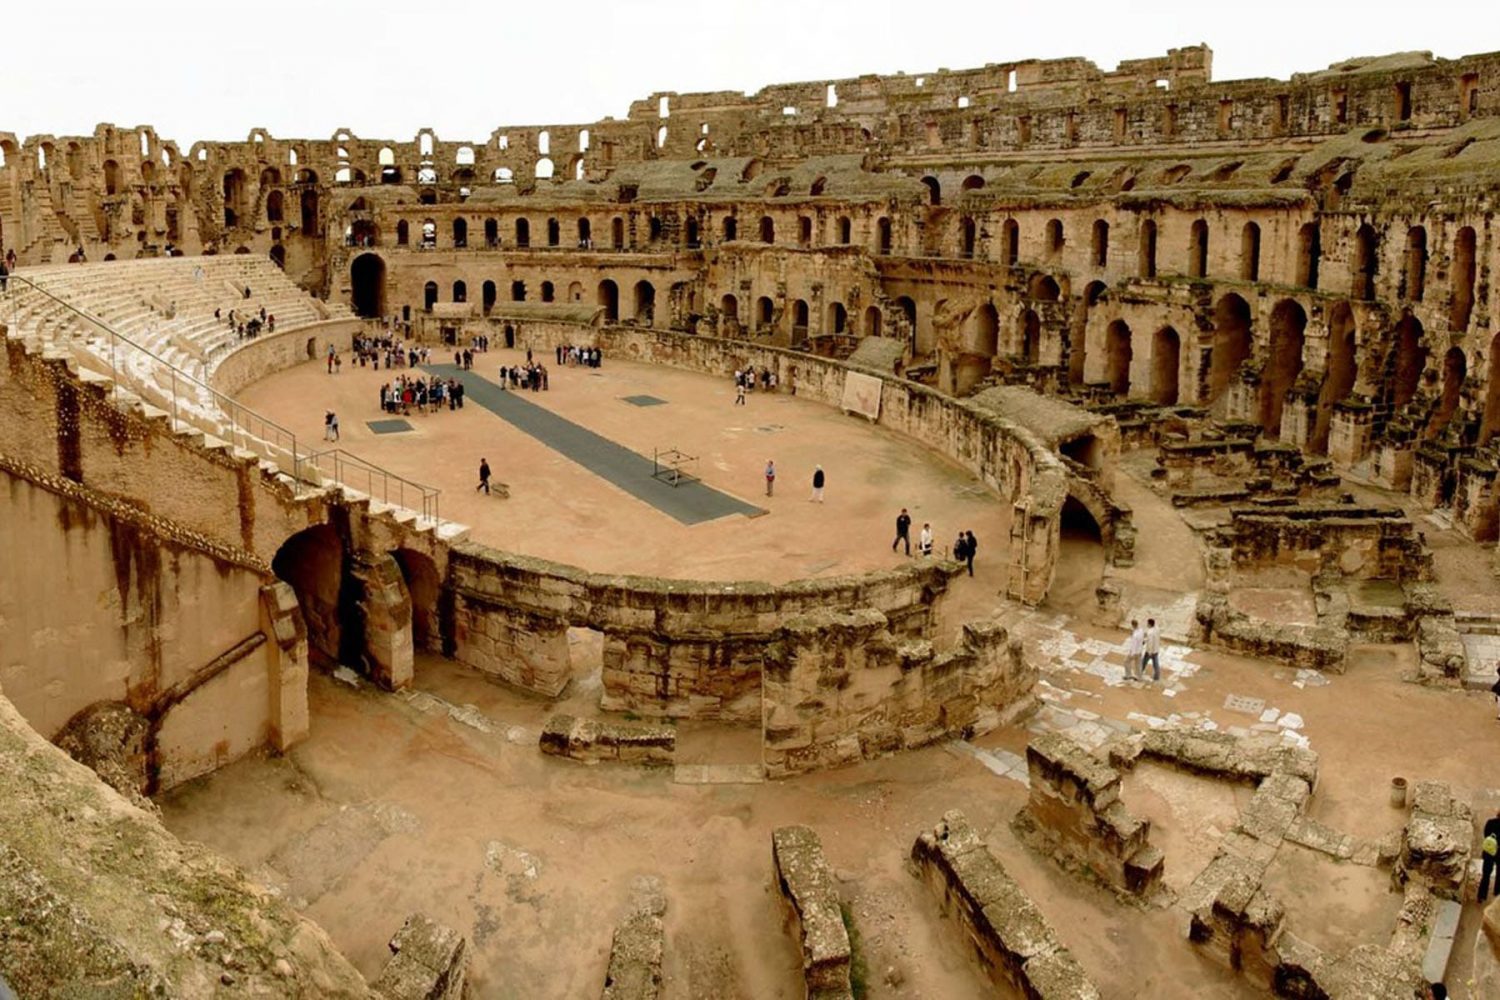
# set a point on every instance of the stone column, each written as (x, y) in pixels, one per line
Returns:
(286, 660)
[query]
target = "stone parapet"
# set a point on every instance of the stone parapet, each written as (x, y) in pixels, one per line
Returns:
(1018, 946)
(811, 894)
(593, 740)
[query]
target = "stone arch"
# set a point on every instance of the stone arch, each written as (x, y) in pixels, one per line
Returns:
(367, 283)
(1118, 354)
(644, 303)
(312, 561)
(1365, 264)
(1341, 371)
(1490, 426)
(1455, 370)
(873, 322)
(424, 588)
(1415, 275)
(1166, 363)
(1462, 305)
(1231, 344)
(1410, 358)
(1283, 363)
(609, 299)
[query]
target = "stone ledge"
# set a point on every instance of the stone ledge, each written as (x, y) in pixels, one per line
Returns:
(429, 962)
(807, 885)
(591, 740)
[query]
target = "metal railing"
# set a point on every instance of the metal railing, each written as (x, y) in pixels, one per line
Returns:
(186, 397)
(340, 466)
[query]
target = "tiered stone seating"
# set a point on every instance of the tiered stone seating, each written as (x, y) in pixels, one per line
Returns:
(165, 307)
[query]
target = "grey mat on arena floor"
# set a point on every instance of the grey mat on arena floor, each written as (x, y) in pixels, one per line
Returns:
(689, 502)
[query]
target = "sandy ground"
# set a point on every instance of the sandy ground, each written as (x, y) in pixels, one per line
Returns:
(438, 800)
(559, 510)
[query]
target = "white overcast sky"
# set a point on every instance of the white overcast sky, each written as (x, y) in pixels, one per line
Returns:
(210, 69)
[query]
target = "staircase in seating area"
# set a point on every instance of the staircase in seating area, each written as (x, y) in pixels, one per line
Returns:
(146, 328)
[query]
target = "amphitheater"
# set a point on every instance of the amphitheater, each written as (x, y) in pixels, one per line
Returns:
(289, 716)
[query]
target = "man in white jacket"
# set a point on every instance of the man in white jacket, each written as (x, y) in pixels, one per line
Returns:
(1152, 651)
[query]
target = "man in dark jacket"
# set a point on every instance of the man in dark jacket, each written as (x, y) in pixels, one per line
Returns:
(1489, 850)
(817, 492)
(971, 545)
(484, 476)
(903, 531)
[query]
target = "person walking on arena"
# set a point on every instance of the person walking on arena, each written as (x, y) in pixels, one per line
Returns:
(770, 476)
(1133, 647)
(1151, 650)
(903, 531)
(484, 477)
(817, 491)
(924, 541)
(328, 425)
(1489, 854)
(971, 546)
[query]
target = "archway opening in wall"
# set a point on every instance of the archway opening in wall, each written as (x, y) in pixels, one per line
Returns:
(1411, 359)
(609, 299)
(1147, 257)
(487, 296)
(510, 336)
(1043, 288)
(425, 591)
(1078, 332)
(767, 229)
(934, 190)
(909, 314)
(1490, 425)
(838, 318)
(1250, 252)
(883, 231)
(987, 331)
(799, 320)
(873, 325)
(1080, 556)
(1309, 254)
(278, 256)
(1231, 344)
(312, 348)
(729, 229)
(1416, 263)
(1118, 353)
(1031, 336)
(764, 312)
(367, 281)
(1166, 361)
(518, 291)
(1283, 363)
(309, 208)
(729, 314)
(1462, 305)
(429, 295)
(1010, 242)
(967, 234)
(1084, 450)
(1455, 368)
(645, 302)
(1341, 371)
(1366, 259)
(1198, 250)
(312, 562)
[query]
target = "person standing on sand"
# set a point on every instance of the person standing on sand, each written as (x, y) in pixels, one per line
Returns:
(924, 540)
(770, 476)
(971, 546)
(817, 492)
(484, 477)
(903, 531)
(1151, 650)
(1489, 854)
(1133, 647)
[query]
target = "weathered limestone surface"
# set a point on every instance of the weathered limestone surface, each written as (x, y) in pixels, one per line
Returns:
(840, 687)
(1074, 809)
(637, 949)
(1436, 842)
(428, 962)
(1020, 949)
(1341, 540)
(593, 740)
(75, 919)
(110, 740)
(1218, 754)
(811, 892)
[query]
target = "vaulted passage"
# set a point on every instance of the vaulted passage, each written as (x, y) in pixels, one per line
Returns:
(1118, 354)
(367, 276)
(1340, 375)
(1231, 345)
(1166, 359)
(1283, 365)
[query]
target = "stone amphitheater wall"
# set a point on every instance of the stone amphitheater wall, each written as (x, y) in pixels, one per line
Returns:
(268, 354)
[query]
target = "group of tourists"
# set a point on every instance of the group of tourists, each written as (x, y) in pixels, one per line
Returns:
(1143, 646)
(244, 327)
(588, 357)
(425, 395)
(369, 351)
(964, 546)
(531, 375)
(746, 380)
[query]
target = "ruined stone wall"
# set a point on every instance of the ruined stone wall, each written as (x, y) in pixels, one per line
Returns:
(253, 360)
(840, 687)
(671, 647)
(1361, 543)
(105, 604)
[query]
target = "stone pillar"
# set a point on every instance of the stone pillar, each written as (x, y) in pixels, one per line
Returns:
(286, 661)
(382, 609)
(1476, 501)
(1349, 433)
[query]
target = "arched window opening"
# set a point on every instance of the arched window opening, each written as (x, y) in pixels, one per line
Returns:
(1055, 239)
(367, 283)
(1250, 252)
(429, 295)
(1283, 363)
(767, 229)
(275, 210)
(730, 229)
(967, 236)
(310, 211)
(523, 233)
(429, 234)
(554, 233)
(804, 231)
(690, 234)
(1148, 249)
(464, 157)
(1340, 376)
(544, 169)
(1463, 280)
(644, 303)
(873, 322)
(424, 143)
(460, 233)
(1416, 263)
(1198, 250)
(1366, 261)
(585, 234)
(518, 291)
(1100, 243)
(1309, 251)
(764, 313)
(799, 319)
(1166, 361)
(934, 190)
(729, 314)
(838, 318)
(1455, 368)
(845, 230)
(1118, 355)
(1231, 344)
(883, 230)
(1411, 359)
(549, 291)
(609, 300)
(403, 233)
(460, 292)
(487, 296)
(1010, 239)
(617, 233)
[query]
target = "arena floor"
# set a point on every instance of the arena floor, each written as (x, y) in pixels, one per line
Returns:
(565, 511)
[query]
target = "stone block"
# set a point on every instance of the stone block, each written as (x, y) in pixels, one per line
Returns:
(808, 886)
(635, 959)
(429, 962)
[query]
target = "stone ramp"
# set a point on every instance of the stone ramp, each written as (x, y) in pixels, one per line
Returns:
(688, 503)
